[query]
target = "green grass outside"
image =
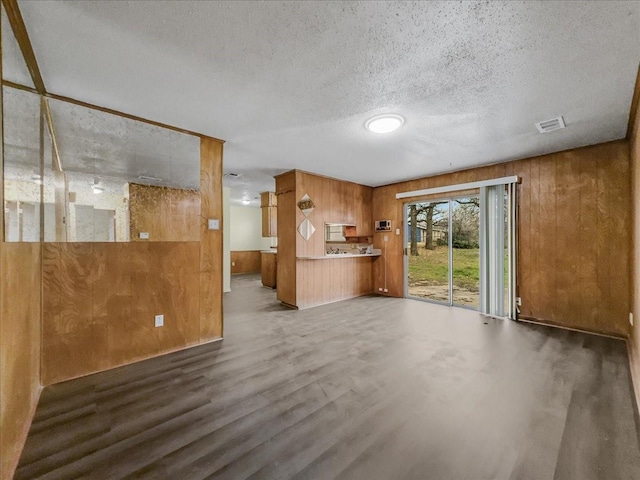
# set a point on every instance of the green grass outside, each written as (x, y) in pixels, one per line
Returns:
(431, 266)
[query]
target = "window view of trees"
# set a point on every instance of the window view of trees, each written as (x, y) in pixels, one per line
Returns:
(428, 249)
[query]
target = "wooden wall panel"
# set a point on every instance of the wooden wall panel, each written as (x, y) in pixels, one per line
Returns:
(19, 348)
(634, 139)
(269, 268)
(315, 282)
(248, 261)
(325, 281)
(211, 252)
(287, 237)
(167, 214)
(573, 235)
(100, 299)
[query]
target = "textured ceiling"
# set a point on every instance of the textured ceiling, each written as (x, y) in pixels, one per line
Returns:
(100, 144)
(290, 84)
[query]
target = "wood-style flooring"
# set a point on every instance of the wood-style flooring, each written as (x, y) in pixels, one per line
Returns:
(369, 388)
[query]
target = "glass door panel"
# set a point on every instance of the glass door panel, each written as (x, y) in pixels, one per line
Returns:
(465, 251)
(428, 251)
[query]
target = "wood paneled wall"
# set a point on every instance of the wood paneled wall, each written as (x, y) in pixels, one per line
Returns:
(634, 140)
(325, 281)
(574, 234)
(100, 299)
(316, 282)
(287, 237)
(19, 348)
(167, 214)
(211, 250)
(246, 261)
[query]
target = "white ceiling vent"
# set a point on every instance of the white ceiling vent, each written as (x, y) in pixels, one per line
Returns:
(231, 175)
(550, 125)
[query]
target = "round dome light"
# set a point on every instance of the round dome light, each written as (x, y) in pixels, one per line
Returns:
(385, 123)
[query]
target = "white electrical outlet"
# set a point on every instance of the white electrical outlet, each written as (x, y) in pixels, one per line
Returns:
(144, 235)
(397, 231)
(380, 289)
(386, 290)
(159, 321)
(213, 224)
(631, 318)
(233, 264)
(519, 301)
(386, 238)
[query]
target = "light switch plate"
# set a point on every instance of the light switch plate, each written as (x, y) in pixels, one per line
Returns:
(144, 235)
(213, 224)
(159, 321)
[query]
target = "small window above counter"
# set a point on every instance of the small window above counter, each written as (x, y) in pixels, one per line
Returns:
(342, 240)
(344, 233)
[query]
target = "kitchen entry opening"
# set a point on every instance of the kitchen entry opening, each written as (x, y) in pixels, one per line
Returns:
(460, 250)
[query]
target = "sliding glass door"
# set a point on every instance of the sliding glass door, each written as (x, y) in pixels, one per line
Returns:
(465, 251)
(442, 251)
(460, 250)
(428, 257)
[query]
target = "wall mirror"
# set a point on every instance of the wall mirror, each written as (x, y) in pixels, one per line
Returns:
(75, 174)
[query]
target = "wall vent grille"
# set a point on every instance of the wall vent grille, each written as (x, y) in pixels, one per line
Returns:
(550, 125)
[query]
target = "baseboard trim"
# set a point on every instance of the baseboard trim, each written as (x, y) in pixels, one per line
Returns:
(25, 432)
(161, 354)
(573, 329)
(635, 384)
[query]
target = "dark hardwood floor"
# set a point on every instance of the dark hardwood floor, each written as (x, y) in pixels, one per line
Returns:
(370, 388)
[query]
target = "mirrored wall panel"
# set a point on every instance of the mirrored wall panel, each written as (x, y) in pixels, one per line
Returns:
(22, 166)
(92, 176)
(14, 68)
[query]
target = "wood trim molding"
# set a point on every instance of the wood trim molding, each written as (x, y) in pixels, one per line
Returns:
(634, 106)
(1, 143)
(129, 116)
(22, 37)
(52, 132)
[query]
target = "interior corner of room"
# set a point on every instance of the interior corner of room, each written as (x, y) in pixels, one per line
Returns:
(122, 236)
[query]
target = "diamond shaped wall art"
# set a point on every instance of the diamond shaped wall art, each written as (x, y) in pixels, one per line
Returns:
(306, 229)
(306, 205)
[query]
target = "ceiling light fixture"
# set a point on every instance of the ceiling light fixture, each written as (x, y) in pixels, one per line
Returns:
(246, 202)
(385, 123)
(95, 186)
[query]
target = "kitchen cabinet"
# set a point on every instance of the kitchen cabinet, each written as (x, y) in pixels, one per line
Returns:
(269, 269)
(269, 206)
(354, 234)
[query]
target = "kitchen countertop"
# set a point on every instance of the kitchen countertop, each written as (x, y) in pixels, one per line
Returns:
(339, 255)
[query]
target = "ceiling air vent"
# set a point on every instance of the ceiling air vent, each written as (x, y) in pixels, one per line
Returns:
(147, 178)
(231, 175)
(550, 125)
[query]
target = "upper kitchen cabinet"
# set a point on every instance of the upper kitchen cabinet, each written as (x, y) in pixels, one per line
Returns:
(269, 205)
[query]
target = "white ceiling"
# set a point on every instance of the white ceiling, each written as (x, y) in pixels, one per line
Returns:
(290, 84)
